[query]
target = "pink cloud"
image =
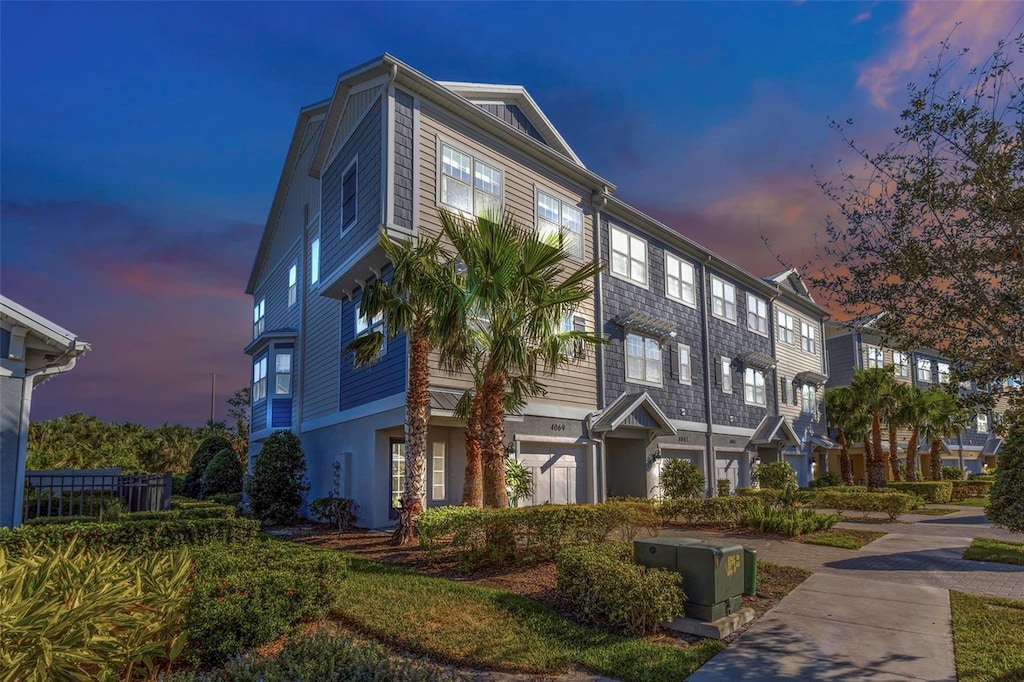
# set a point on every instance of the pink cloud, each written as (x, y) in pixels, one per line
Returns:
(919, 36)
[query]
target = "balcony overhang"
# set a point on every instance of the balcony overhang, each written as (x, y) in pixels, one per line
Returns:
(757, 360)
(811, 378)
(649, 325)
(269, 336)
(365, 262)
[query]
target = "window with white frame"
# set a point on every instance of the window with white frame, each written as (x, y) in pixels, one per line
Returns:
(723, 299)
(807, 337)
(685, 370)
(349, 192)
(679, 280)
(943, 372)
(561, 222)
(725, 370)
(364, 325)
(643, 359)
(874, 357)
(982, 423)
(924, 370)
(437, 469)
(808, 398)
(901, 363)
(629, 256)
(259, 379)
(314, 260)
(786, 326)
(258, 317)
(282, 372)
(757, 314)
(753, 386)
(293, 285)
(469, 184)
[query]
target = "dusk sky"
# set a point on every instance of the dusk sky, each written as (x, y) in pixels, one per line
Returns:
(142, 143)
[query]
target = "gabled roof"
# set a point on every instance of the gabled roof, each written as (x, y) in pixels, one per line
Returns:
(791, 286)
(621, 412)
(49, 332)
(774, 429)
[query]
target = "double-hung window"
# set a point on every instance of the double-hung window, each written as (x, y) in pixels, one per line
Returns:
(982, 423)
(924, 370)
(629, 256)
(807, 337)
(364, 325)
(679, 280)
(725, 365)
(468, 184)
(943, 372)
(561, 222)
(643, 359)
(757, 314)
(723, 299)
(437, 469)
(258, 317)
(293, 285)
(875, 357)
(282, 372)
(349, 192)
(808, 397)
(786, 328)
(685, 371)
(753, 386)
(901, 361)
(314, 260)
(259, 379)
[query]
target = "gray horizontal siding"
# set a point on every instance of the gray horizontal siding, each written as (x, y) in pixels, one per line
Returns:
(274, 289)
(322, 348)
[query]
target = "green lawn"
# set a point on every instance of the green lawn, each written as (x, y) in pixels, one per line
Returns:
(974, 502)
(840, 537)
(469, 625)
(998, 551)
(934, 511)
(988, 638)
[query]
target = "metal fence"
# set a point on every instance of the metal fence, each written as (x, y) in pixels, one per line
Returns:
(88, 493)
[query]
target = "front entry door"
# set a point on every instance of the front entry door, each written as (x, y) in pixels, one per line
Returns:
(397, 476)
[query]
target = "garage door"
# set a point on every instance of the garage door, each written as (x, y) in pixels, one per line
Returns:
(558, 473)
(729, 466)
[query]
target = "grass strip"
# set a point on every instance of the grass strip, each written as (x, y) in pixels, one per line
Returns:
(845, 539)
(996, 551)
(933, 511)
(481, 627)
(974, 502)
(988, 637)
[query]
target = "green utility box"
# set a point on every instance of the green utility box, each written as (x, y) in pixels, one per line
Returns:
(749, 572)
(713, 574)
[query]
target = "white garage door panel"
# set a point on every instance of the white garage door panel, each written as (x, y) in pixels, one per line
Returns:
(558, 473)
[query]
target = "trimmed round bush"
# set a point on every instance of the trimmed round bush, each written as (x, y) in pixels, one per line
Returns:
(952, 474)
(278, 484)
(829, 479)
(1006, 501)
(223, 474)
(680, 478)
(207, 450)
(775, 475)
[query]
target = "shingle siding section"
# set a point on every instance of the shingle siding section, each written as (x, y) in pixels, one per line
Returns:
(513, 116)
(841, 352)
(403, 158)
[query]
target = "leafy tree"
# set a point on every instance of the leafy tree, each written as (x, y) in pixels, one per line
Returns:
(223, 474)
(1006, 503)
(278, 484)
(850, 422)
(204, 454)
(873, 389)
(680, 478)
(930, 230)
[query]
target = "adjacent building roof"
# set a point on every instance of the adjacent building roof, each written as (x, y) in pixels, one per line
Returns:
(633, 409)
(50, 332)
(992, 445)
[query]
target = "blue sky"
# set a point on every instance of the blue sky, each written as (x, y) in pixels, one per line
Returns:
(140, 144)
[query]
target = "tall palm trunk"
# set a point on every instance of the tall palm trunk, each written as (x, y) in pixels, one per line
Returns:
(473, 487)
(894, 458)
(845, 465)
(875, 461)
(936, 457)
(912, 454)
(414, 496)
(492, 437)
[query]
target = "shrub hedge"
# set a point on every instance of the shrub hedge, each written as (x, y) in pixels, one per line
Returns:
(718, 511)
(972, 488)
(278, 484)
(791, 521)
(680, 478)
(223, 475)
(892, 503)
(605, 585)
(936, 492)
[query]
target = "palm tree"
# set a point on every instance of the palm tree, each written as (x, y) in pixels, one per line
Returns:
(913, 414)
(850, 422)
(944, 419)
(419, 300)
(873, 389)
(894, 420)
(518, 287)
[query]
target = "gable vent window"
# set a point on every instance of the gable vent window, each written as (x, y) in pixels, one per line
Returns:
(561, 222)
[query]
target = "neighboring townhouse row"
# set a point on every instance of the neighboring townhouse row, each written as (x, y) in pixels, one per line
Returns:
(705, 361)
(860, 345)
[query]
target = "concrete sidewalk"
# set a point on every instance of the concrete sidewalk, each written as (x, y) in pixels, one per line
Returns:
(835, 627)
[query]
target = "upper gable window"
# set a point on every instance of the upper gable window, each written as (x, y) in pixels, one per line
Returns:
(679, 280)
(293, 285)
(468, 184)
(786, 324)
(258, 317)
(723, 299)
(349, 191)
(807, 337)
(629, 256)
(561, 221)
(757, 314)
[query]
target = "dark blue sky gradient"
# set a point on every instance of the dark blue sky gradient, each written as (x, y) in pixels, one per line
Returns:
(142, 143)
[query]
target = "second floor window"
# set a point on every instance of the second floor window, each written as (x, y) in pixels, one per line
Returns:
(314, 260)
(561, 221)
(685, 373)
(753, 386)
(679, 280)
(364, 326)
(723, 299)
(258, 317)
(259, 379)
(757, 314)
(982, 423)
(874, 357)
(807, 337)
(901, 361)
(293, 285)
(283, 372)
(924, 370)
(943, 372)
(468, 184)
(725, 368)
(629, 256)
(786, 328)
(808, 398)
(349, 190)
(643, 359)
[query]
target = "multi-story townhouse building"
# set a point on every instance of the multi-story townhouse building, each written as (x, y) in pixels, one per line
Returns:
(689, 369)
(860, 345)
